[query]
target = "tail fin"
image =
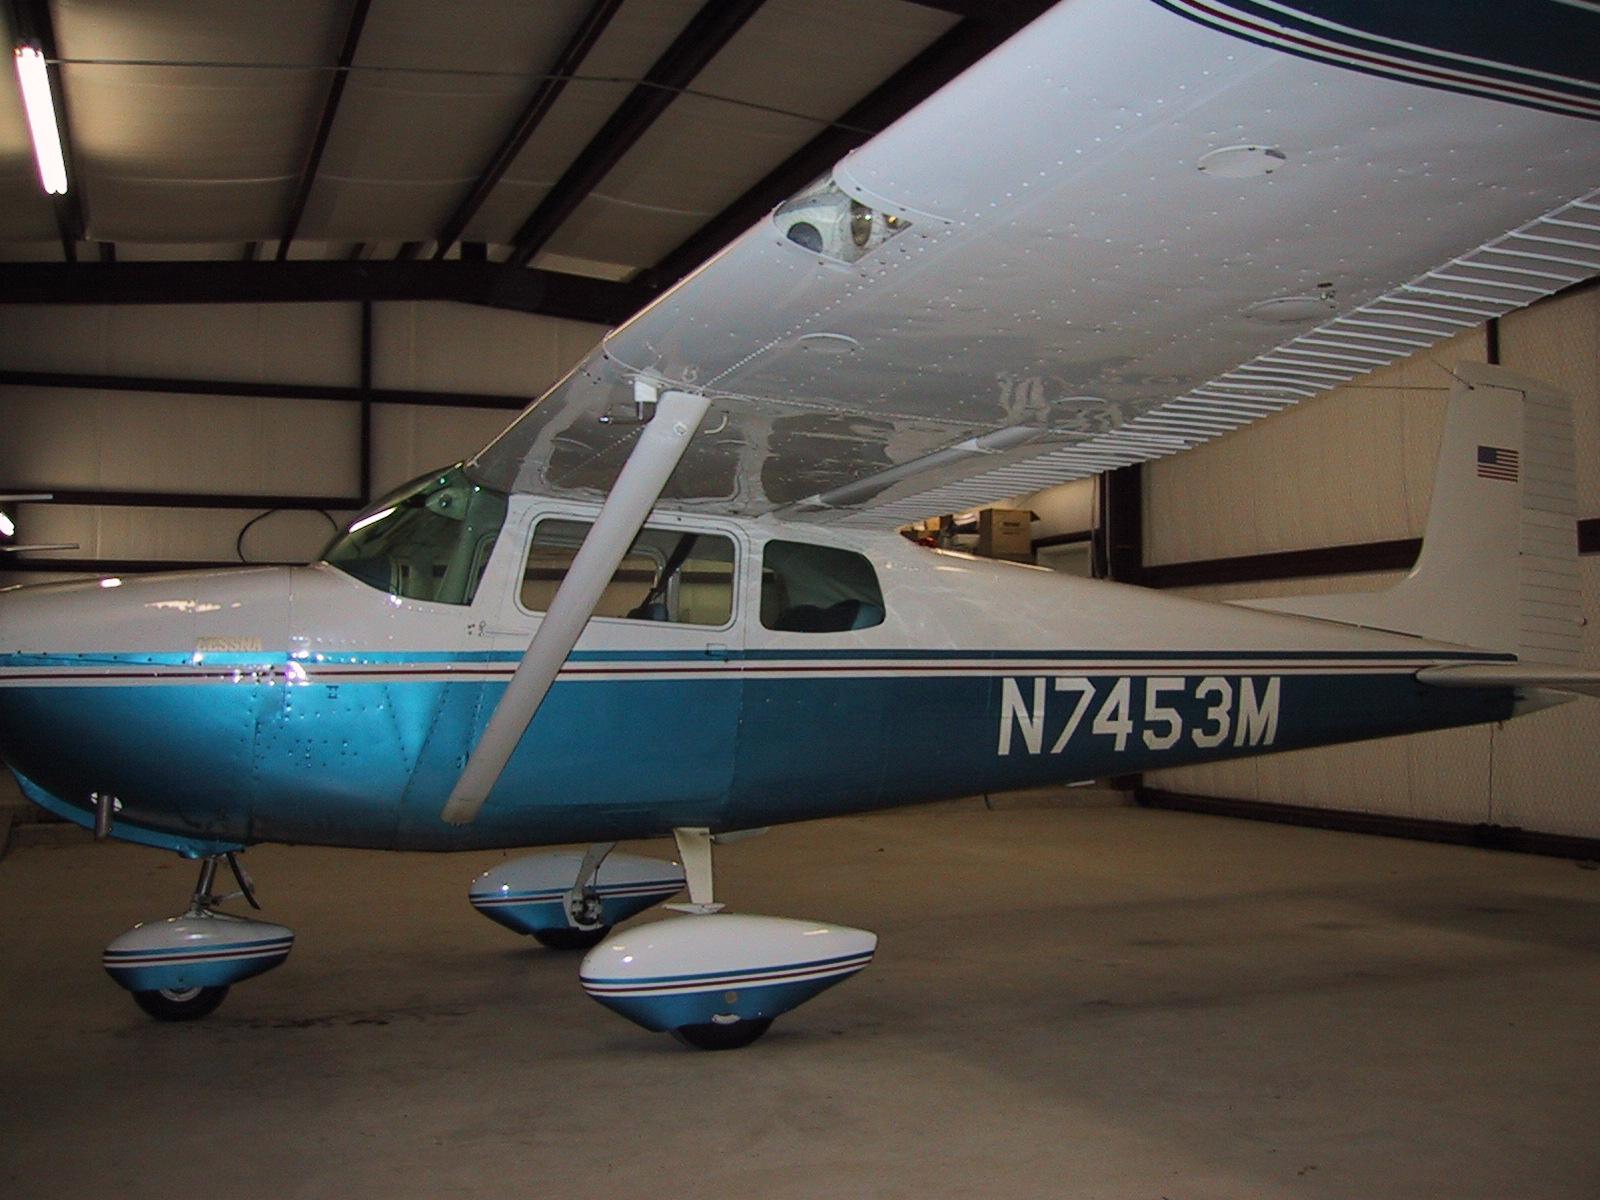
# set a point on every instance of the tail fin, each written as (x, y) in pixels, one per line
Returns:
(1499, 562)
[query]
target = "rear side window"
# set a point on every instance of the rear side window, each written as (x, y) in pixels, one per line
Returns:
(818, 589)
(674, 575)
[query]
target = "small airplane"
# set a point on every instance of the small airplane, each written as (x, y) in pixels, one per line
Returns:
(671, 599)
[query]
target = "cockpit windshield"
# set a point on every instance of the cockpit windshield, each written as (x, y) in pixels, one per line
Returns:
(428, 540)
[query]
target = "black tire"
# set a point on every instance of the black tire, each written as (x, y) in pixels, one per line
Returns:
(185, 1004)
(571, 939)
(734, 1036)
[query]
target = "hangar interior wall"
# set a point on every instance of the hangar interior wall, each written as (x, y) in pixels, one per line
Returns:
(1357, 466)
(101, 439)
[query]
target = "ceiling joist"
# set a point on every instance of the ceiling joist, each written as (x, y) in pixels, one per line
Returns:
(544, 97)
(705, 35)
(330, 110)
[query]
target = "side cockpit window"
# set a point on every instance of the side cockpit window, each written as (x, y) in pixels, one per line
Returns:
(817, 589)
(674, 575)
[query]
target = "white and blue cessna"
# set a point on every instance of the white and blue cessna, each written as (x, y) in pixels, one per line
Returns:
(670, 599)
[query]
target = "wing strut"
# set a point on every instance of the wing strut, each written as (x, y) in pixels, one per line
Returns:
(661, 444)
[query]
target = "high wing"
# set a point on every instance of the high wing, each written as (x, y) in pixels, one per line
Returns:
(1134, 227)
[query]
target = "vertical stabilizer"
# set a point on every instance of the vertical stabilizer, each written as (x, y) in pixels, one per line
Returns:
(1499, 562)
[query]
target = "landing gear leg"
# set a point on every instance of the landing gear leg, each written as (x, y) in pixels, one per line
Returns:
(571, 901)
(180, 969)
(694, 848)
(588, 927)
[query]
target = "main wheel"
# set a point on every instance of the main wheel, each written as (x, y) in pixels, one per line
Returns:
(733, 1036)
(181, 1004)
(572, 939)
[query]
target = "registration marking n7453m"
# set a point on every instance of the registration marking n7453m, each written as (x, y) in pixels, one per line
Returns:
(1239, 710)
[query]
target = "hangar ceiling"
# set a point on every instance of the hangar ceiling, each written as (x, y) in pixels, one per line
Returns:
(617, 143)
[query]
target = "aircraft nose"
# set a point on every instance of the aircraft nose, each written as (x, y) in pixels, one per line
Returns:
(24, 615)
(152, 614)
(56, 618)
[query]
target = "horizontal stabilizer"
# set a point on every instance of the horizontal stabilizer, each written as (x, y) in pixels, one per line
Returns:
(1530, 675)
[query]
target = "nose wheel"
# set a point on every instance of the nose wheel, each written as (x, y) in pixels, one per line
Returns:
(180, 1004)
(181, 969)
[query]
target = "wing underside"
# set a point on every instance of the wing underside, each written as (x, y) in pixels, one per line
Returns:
(1129, 230)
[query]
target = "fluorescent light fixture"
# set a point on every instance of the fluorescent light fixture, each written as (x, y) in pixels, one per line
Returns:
(8, 527)
(35, 79)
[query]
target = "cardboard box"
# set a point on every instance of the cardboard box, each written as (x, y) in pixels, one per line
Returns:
(1005, 533)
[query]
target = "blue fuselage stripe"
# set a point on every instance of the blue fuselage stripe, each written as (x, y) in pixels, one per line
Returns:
(264, 748)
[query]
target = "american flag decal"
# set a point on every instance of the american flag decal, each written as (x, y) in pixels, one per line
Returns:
(1494, 462)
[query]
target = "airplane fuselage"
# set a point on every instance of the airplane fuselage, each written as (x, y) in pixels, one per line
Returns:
(228, 707)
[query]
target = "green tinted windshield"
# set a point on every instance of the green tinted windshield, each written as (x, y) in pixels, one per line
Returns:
(429, 540)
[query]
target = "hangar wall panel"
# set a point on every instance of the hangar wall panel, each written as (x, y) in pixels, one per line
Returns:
(1547, 765)
(1354, 466)
(408, 440)
(134, 441)
(440, 346)
(1068, 508)
(1559, 341)
(256, 343)
(177, 533)
(143, 441)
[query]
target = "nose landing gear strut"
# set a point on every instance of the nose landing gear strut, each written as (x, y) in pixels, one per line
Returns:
(180, 969)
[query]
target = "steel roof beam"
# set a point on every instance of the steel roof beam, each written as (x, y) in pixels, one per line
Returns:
(707, 33)
(330, 109)
(574, 297)
(544, 97)
(925, 74)
(73, 381)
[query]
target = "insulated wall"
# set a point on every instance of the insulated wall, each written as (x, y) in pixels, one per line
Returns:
(138, 422)
(1356, 466)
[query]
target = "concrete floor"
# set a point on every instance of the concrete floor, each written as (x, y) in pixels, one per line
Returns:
(1081, 1001)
